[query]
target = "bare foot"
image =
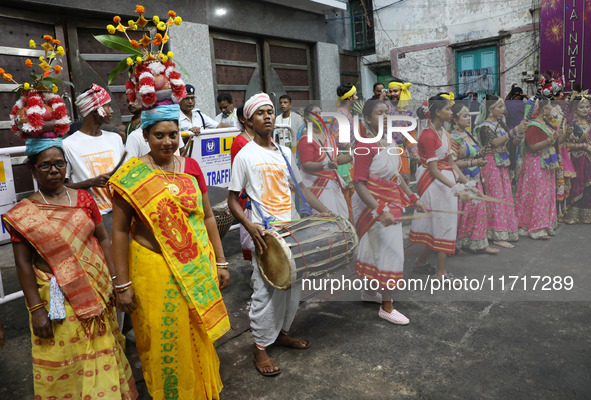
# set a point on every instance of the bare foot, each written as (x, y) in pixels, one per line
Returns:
(504, 244)
(263, 363)
(490, 250)
(294, 343)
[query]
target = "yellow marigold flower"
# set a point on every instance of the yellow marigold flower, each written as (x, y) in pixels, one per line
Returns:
(116, 19)
(178, 20)
(138, 59)
(111, 29)
(41, 58)
(60, 51)
(29, 63)
(164, 59)
(140, 9)
(129, 61)
(7, 77)
(131, 23)
(57, 69)
(47, 38)
(170, 54)
(54, 89)
(32, 44)
(171, 14)
(156, 19)
(56, 42)
(47, 46)
(26, 86)
(161, 26)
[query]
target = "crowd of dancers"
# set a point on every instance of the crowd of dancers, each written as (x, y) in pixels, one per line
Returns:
(169, 276)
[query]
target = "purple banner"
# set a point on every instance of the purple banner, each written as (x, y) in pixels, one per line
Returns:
(565, 41)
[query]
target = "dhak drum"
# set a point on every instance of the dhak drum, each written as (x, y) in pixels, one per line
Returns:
(307, 248)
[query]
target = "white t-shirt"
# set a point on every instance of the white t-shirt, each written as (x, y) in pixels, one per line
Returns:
(185, 123)
(231, 119)
(136, 145)
(264, 175)
(91, 156)
(284, 136)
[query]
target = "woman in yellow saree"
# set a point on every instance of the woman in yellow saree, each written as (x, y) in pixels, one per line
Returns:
(170, 275)
(64, 263)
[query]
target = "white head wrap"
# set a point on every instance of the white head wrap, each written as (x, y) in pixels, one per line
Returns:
(93, 99)
(255, 102)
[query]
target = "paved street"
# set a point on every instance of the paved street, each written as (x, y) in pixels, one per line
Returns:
(497, 344)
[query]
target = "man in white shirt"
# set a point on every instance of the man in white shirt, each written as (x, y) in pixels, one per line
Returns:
(262, 171)
(92, 154)
(228, 112)
(287, 117)
(192, 119)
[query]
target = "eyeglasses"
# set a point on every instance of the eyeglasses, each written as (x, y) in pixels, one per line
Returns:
(46, 167)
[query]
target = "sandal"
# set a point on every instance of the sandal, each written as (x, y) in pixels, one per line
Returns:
(424, 269)
(268, 363)
(301, 343)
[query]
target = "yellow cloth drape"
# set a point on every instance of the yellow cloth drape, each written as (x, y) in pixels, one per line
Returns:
(178, 360)
(177, 222)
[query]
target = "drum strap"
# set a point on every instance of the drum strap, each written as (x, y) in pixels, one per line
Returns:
(266, 219)
(305, 206)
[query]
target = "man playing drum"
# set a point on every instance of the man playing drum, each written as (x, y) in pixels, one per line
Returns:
(261, 169)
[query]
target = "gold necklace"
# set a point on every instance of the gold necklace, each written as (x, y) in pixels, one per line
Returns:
(172, 188)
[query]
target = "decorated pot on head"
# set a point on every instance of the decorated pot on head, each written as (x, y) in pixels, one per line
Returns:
(153, 77)
(39, 112)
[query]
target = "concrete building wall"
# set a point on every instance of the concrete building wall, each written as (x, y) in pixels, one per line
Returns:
(420, 38)
(327, 76)
(196, 60)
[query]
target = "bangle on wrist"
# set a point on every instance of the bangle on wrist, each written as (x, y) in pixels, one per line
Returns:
(123, 289)
(222, 265)
(381, 209)
(37, 306)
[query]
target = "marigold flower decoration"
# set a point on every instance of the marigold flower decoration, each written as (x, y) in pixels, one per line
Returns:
(39, 112)
(151, 71)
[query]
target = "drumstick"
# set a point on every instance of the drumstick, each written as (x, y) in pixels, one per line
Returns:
(120, 163)
(489, 199)
(446, 211)
(417, 216)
